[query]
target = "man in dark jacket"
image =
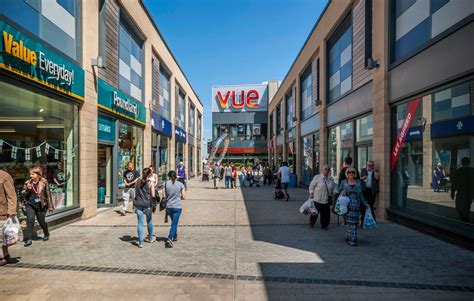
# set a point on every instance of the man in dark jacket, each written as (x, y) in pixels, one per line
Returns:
(371, 177)
(463, 184)
(342, 173)
(8, 203)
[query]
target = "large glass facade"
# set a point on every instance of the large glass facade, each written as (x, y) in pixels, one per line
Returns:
(340, 60)
(439, 137)
(309, 158)
(39, 131)
(130, 61)
(290, 109)
(56, 22)
(278, 120)
(340, 146)
(164, 93)
(180, 108)
(306, 94)
(241, 131)
(130, 149)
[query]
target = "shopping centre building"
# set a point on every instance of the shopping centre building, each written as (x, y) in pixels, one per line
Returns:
(391, 81)
(241, 112)
(85, 88)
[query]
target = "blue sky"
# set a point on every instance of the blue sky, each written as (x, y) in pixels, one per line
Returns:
(234, 41)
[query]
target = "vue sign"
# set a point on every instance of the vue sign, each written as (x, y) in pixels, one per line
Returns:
(250, 100)
(240, 98)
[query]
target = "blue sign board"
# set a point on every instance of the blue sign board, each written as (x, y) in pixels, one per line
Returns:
(180, 134)
(453, 127)
(414, 133)
(106, 129)
(161, 124)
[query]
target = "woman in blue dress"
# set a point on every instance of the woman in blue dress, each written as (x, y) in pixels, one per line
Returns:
(352, 188)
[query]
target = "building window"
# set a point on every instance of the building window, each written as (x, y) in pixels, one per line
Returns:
(290, 109)
(368, 30)
(56, 22)
(416, 22)
(451, 103)
(340, 60)
(318, 83)
(180, 107)
(130, 61)
(340, 146)
(306, 93)
(199, 128)
(278, 120)
(271, 126)
(164, 103)
(365, 128)
(191, 119)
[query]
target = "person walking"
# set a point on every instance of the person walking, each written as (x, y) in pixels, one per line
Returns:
(342, 174)
(439, 176)
(284, 176)
(352, 188)
(174, 193)
(38, 201)
(144, 192)
(322, 190)
(205, 172)
(182, 176)
(370, 177)
(228, 175)
(267, 175)
(130, 178)
(233, 182)
(8, 206)
(462, 189)
(216, 171)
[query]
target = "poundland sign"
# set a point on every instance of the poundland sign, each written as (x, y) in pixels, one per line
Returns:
(30, 59)
(114, 101)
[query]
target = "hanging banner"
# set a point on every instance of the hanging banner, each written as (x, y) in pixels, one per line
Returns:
(410, 115)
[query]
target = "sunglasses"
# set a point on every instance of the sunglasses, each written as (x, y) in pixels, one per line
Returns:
(351, 173)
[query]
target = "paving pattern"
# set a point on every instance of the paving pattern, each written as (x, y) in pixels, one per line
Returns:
(237, 244)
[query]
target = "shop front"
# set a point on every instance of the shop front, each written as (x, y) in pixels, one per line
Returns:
(291, 149)
(191, 156)
(309, 155)
(432, 134)
(128, 119)
(160, 141)
(180, 141)
(40, 95)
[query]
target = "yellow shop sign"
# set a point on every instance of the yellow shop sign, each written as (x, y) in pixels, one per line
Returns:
(18, 50)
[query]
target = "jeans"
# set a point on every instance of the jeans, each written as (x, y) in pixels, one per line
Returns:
(227, 181)
(140, 216)
(128, 196)
(174, 214)
(40, 214)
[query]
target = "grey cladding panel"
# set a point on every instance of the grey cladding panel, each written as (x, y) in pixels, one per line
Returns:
(358, 102)
(231, 118)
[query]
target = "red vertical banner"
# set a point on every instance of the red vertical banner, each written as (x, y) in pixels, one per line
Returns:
(410, 115)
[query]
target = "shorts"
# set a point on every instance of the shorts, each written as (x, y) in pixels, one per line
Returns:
(284, 185)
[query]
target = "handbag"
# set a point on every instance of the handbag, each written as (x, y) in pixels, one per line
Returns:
(327, 189)
(164, 201)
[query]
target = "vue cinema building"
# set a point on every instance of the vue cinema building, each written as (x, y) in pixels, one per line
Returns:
(241, 112)
(391, 81)
(85, 87)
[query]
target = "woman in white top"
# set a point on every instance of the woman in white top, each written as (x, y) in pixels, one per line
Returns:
(322, 189)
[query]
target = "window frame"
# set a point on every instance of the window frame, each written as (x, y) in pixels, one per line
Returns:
(303, 77)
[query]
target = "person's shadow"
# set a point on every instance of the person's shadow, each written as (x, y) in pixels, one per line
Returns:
(134, 239)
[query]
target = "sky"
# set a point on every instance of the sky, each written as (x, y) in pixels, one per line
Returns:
(231, 42)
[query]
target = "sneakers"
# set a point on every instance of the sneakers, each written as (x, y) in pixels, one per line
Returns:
(28, 243)
(122, 212)
(152, 240)
(140, 245)
(169, 244)
(175, 238)
(46, 238)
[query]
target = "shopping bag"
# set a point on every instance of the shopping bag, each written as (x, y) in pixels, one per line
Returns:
(341, 205)
(369, 221)
(308, 207)
(12, 232)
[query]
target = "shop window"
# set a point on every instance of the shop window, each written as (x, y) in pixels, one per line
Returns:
(248, 131)
(241, 131)
(180, 108)
(130, 61)
(290, 109)
(199, 128)
(306, 93)
(39, 131)
(340, 144)
(278, 120)
(56, 22)
(130, 148)
(307, 159)
(365, 128)
(340, 60)
(233, 131)
(416, 22)
(191, 119)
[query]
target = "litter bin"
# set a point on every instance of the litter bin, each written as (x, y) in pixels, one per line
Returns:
(293, 180)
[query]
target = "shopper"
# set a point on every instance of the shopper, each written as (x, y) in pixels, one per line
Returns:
(144, 192)
(130, 178)
(174, 193)
(228, 175)
(37, 197)
(439, 176)
(8, 206)
(352, 188)
(250, 176)
(322, 189)
(182, 176)
(233, 182)
(370, 177)
(267, 175)
(284, 176)
(205, 172)
(342, 174)
(216, 174)
(463, 189)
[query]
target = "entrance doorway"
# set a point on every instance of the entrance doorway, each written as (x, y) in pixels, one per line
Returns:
(104, 181)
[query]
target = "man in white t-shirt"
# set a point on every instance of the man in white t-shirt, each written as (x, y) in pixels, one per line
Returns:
(284, 176)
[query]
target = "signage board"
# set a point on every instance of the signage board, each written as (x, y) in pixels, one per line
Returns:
(119, 103)
(244, 98)
(106, 129)
(30, 59)
(180, 134)
(161, 124)
(453, 127)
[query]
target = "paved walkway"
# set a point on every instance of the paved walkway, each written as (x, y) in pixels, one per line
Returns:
(237, 244)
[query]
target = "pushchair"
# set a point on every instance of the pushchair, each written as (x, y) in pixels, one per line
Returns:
(277, 192)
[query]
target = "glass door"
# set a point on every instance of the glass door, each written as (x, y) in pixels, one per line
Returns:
(104, 162)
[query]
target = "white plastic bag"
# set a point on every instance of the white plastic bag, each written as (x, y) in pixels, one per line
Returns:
(308, 207)
(12, 231)
(369, 221)
(341, 205)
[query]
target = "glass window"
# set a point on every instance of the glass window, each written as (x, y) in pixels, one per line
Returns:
(233, 131)
(180, 108)
(306, 93)
(164, 93)
(417, 22)
(290, 109)
(278, 119)
(191, 120)
(340, 60)
(199, 128)
(179, 149)
(340, 140)
(307, 159)
(271, 125)
(130, 62)
(39, 131)
(130, 149)
(365, 128)
(56, 22)
(241, 131)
